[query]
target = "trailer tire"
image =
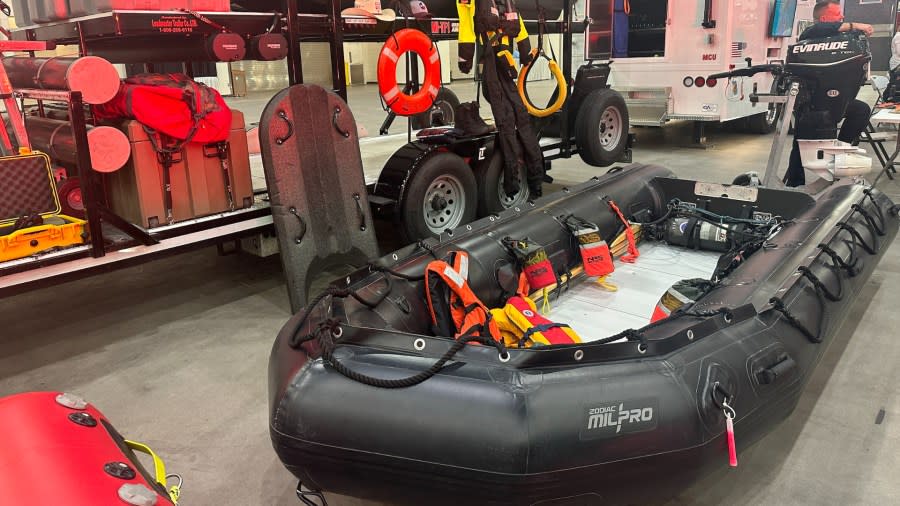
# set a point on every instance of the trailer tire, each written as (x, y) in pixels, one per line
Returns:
(441, 194)
(446, 102)
(601, 128)
(491, 197)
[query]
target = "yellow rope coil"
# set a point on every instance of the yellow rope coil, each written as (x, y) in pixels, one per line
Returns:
(561, 86)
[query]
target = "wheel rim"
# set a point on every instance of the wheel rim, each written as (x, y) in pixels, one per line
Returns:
(444, 204)
(508, 201)
(610, 128)
(446, 109)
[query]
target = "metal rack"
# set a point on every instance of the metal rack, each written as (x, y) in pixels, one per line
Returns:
(137, 245)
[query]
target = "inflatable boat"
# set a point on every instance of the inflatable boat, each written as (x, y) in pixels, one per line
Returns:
(370, 398)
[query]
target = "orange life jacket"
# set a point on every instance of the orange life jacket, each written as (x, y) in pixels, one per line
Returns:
(454, 307)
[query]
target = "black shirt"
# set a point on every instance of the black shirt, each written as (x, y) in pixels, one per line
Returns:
(821, 30)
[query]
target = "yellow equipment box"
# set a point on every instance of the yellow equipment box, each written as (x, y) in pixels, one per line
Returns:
(28, 241)
(28, 189)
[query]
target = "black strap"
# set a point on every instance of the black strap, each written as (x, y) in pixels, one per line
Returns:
(527, 336)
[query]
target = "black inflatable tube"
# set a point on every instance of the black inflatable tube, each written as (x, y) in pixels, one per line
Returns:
(485, 431)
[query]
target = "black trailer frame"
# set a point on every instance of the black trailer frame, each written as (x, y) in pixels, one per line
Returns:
(115, 243)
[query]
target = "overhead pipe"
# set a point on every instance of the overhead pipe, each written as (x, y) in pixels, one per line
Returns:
(96, 79)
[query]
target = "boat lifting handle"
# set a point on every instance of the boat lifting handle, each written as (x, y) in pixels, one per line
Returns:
(781, 368)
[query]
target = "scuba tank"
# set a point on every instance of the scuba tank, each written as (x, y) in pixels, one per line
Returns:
(703, 235)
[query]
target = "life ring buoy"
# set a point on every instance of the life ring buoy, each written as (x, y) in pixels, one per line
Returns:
(409, 40)
(561, 95)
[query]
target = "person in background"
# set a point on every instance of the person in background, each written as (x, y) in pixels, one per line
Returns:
(830, 22)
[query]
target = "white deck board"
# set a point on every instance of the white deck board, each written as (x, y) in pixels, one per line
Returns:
(596, 313)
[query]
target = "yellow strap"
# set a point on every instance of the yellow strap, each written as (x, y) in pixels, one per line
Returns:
(545, 307)
(159, 468)
(606, 285)
(562, 94)
(509, 57)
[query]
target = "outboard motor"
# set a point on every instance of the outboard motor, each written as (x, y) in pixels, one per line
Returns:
(830, 71)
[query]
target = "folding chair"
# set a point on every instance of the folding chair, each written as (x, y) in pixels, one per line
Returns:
(874, 138)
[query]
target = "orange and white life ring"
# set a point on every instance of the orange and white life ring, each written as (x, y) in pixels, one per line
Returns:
(409, 40)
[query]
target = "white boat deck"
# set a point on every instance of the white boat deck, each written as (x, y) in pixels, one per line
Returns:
(596, 313)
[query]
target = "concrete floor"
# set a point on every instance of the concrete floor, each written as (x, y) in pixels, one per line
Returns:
(175, 352)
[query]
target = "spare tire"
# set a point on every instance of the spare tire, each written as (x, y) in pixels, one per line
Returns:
(444, 107)
(601, 128)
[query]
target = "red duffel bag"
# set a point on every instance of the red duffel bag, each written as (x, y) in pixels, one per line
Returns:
(173, 105)
(56, 449)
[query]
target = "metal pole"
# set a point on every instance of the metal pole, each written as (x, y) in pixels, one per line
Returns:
(566, 148)
(85, 175)
(771, 176)
(338, 73)
(295, 58)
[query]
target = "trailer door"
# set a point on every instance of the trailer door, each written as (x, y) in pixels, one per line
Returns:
(600, 31)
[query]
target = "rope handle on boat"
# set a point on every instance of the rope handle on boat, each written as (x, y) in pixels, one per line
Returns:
(870, 194)
(840, 263)
(820, 286)
(872, 250)
(638, 335)
(778, 305)
(330, 330)
(869, 219)
(297, 340)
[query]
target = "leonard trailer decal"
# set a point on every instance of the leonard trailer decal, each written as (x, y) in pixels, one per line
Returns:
(613, 419)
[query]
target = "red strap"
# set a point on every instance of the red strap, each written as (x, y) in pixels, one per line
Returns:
(633, 252)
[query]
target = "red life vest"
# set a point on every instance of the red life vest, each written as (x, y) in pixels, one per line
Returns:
(454, 307)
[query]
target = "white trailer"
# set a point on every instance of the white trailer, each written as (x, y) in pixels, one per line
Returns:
(661, 65)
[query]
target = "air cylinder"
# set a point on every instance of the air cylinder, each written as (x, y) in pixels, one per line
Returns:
(109, 147)
(96, 79)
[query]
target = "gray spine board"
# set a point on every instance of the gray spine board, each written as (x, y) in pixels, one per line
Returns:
(310, 152)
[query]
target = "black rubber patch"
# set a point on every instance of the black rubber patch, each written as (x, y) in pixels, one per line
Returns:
(83, 419)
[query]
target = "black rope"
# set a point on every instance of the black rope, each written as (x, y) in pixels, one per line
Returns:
(296, 339)
(871, 221)
(396, 274)
(630, 334)
(820, 287)
(339, 293)
(328, 330)
(778, 305)
(429, 249)
(871, 195)
(840, 263)
(858, 238)
(697, 313)
(656, 221)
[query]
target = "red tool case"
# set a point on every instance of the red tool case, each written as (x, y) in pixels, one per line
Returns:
(59, 450)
